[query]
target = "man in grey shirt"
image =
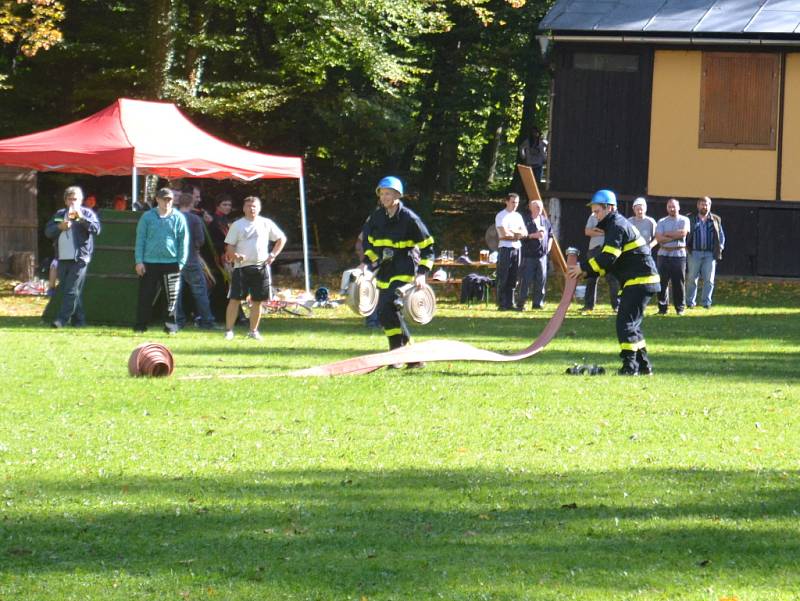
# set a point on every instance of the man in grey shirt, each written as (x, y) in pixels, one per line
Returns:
(671, 234)
(640, 220)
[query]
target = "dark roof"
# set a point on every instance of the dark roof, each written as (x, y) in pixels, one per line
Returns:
(675, 16)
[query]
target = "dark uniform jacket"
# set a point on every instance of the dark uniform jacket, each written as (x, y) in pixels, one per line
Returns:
(625, 255)
(389, 246)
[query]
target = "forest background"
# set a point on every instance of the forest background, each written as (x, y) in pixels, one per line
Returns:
(436, 91)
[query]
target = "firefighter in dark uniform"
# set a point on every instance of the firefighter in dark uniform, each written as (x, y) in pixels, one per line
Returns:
(391, 237)
(626, 255)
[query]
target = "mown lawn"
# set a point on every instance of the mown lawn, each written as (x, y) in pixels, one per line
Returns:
(461, 481)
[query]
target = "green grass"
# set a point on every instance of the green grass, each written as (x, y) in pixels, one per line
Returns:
(463, 481)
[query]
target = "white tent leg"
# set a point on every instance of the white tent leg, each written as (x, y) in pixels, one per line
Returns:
(134, 187)
(304, 226)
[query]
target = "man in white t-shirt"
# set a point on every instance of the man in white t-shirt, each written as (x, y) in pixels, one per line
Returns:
(247, 247)
(510, 230)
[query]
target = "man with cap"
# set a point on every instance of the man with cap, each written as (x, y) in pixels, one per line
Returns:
(390, 237)
(162, 248)
(642, 222)
(626, 255)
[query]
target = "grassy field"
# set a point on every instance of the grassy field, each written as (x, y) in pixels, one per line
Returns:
(461, 481)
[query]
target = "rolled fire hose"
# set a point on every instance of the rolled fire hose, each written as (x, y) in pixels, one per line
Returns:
(362, 295)
(449, 350)
(419, 303)
(151, 359)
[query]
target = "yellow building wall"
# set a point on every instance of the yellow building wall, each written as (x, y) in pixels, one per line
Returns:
(790, 171)
(678, 167)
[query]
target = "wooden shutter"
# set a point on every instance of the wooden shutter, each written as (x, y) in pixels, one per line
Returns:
(739, 100)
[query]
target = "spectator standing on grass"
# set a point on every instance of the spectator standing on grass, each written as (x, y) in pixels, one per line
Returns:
(247, 247)
(510, 231)
(162, 248)
(671, 234)
(193, 275)
(705, 243)
(535, 248)
(73, 230)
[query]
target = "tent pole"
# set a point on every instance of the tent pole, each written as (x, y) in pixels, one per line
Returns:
(304, 226)
(134, 186)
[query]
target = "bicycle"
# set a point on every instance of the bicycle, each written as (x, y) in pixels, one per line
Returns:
(275, 305)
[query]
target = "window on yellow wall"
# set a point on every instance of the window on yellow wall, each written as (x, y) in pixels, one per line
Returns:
(739, 100)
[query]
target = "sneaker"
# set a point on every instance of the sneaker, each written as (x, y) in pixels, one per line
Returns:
(415, 365)
(706, 306)
(627, 371)
(170, 327)
(255, 335)
(646, 371)
(680, 311)
(396, 366)
(57, 324)
(228, 334)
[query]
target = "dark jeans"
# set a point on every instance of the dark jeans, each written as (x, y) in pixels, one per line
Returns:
(194, 277)
(672, 270)
(507, 273)
(155, 276)
(590, 299)
(533, 271)
(71, 278)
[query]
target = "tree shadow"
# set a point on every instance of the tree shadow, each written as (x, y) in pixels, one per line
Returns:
(410, 532)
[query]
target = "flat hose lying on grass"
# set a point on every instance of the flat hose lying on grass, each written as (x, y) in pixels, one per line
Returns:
(447, 350)
(151, 359)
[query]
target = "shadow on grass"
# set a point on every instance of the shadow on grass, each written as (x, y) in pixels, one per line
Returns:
(333, 533)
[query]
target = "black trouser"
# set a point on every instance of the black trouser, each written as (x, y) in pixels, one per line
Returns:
(672, 270)
(507, 273)
(632, 303)
(394, 326)
(155, 276)
(590, 298)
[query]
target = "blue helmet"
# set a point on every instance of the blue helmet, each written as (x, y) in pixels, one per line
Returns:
(604, 197)
(390, 182)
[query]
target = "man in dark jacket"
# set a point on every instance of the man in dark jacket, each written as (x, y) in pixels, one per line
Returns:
(390, 237)
(73, 229)
(535, 248)
(626, 255)
(705, 243)
(193, 274)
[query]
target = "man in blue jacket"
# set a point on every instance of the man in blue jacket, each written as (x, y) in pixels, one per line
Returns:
(162, 248)
(73, 229)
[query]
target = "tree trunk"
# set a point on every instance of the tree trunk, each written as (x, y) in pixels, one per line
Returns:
(162, 46)
(195, 55)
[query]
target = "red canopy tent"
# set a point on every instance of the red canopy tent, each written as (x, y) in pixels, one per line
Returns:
(137, 137)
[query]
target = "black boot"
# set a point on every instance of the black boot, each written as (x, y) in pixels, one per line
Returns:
(629, 365)
(645, 366)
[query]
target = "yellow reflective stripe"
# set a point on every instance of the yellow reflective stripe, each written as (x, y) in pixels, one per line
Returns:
(392, 331)
(426, 242)
(611, 250)
(645, 279)
(398, 278)
(632, 346)
(635, 244)
(371, 255)
(426, 263)
(594, 265)
(391, 244)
